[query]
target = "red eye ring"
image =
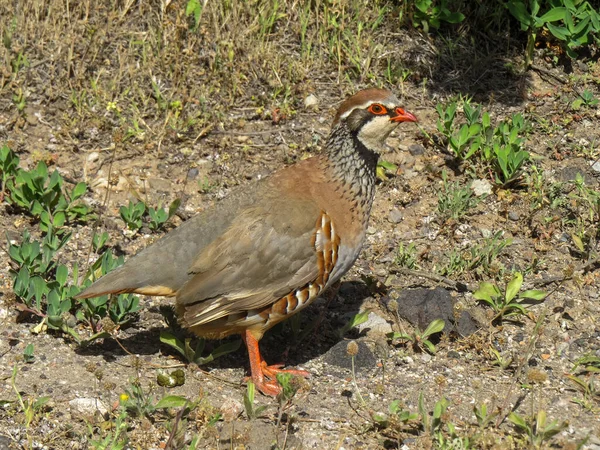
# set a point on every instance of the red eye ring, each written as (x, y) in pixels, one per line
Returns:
(377, 109)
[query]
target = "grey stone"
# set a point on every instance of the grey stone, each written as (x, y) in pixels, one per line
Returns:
(395, 216)
(514, 216)
(375, 324)
(416, 149)
(337, 356)
(86, 408)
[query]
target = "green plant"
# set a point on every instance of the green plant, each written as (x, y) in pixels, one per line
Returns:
(116, 439)
(581, 24)
(431, 13)
(41, 194)
(253, 412)
(478, 257)
(9, 163)
(194, 355)
(587, 387)
(397, 417)
(590, 363)
(420, 339)
(484, 418)
(132, 214)
(406, 256)
(536, 428)
(29, 407)
(509, 303)
(499, 359)
(454, 200)
(586, 98)
(384, 168)
(160, 216)
(355, 321)
(433, 424)
(28, 355)
(194, 8)
(526, 12)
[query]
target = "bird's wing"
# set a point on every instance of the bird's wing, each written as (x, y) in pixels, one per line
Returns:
(267, 252)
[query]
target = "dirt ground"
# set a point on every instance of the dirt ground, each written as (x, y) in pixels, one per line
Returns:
(239, 142)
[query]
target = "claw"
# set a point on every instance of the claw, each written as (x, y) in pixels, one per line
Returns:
(264, 376)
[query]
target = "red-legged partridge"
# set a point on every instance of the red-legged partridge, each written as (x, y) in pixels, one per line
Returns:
(258, 257)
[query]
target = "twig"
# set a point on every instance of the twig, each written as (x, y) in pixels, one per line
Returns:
(457, 285)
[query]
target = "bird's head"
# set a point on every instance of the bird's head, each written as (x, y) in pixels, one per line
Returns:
(371, 115)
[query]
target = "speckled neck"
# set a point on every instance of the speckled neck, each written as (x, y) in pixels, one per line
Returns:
(354, 166)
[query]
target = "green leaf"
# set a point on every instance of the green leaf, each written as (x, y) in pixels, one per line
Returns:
(534, 294)
(434, 327)
(517, 420)
(169, 339)
(513, 287)
(174, 206)
(553, 15)
(557, 32)
(487, 292)
(61, 274)
(78, 191)
(172, 401)
(519, 11)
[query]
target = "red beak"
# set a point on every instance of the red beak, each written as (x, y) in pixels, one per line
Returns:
(403, 116)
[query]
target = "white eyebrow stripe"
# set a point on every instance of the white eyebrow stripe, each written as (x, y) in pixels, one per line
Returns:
(365, 105)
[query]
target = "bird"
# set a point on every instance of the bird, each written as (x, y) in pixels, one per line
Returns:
(257, 257)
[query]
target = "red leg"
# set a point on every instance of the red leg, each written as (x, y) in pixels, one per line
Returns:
(259, 368)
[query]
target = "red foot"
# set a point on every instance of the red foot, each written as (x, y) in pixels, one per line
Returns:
(259, 370)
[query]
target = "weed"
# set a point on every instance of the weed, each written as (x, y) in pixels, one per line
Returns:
(384, 168)
(478, 257)
(29, 407)
(116, 439)
(454, 200)
(253, 412)
(509, 303)
(430, 14)
(194, 355)
(420, 339)
(132, 214)
(355, 321)
(406, 256)
(536, 428)
(160, 216)
(499, 359)
(28, 355)
(397, 419)
(586, 98)
(434, 424)
(587, 387)
(484, 418)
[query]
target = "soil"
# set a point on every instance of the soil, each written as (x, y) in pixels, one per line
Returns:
(327, 411)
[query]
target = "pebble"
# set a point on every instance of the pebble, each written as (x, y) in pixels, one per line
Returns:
(311, 101)
(481, 187)
(395, 216)
(416, 149)
(514, 216)
(375, 324)
(93, 156)
(426, 357)
(596, 166)
(231, 409)
(85, 408)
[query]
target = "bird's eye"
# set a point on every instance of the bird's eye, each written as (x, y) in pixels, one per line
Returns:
(378, 109)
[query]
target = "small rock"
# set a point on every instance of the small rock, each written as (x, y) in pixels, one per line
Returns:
(338, 356)
(596, 166)
(371, 230)
(231, 409)
(193, 173)
(311, 101)
(416, 149)
(86, 408)
(375, 324)
(426, 357)
(160, 184)
(514, 216)
(93, 156)
(395, 216)
(481, 187)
